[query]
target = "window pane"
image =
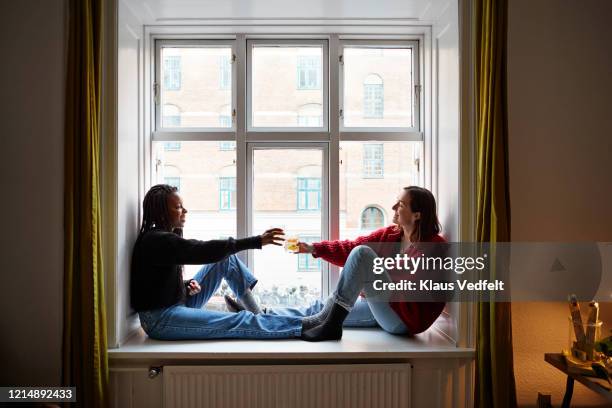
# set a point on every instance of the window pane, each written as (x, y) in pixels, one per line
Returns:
(172, 72)
(197, 83)
(373, 161)
(360, 210)
(286, 86)
(206, 177)
(306, 263)
(282, 179)
(378, 87)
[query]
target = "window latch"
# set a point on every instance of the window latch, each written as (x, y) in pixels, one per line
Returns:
(417, 163)
(417, 91)
(341, 113)
(233, 58)
(156, 92)
(341, 59)
(233, 115)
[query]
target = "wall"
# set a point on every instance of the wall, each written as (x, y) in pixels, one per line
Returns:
(32, 80)
(560, 128)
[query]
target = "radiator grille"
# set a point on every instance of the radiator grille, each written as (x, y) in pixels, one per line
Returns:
(291, 386)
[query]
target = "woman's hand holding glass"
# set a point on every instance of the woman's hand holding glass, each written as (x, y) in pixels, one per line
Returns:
(305, 248)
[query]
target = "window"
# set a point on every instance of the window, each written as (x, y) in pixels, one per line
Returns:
(274, 203)
(227, 193)
(227, 145)
(309, 193)
(309, 115)
(172, 116)
(173, 181)
(380, 85)
(172, 176)
(172, 146)
(372, 218)
(172, 73)
(306, 263)
(197, 78)
(197, 167)
(282, 133)
(373, 161)
(373, 97)
(308, 72)
(273, 98)
(225, 72)
(357, 193)
(225, 121)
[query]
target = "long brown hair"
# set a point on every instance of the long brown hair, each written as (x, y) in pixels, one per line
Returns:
(423, 201)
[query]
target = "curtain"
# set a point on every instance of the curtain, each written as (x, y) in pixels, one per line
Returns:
(495, 385)
(85, 364)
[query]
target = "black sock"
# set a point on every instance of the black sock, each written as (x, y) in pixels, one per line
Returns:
(330, 329)
(316, 319)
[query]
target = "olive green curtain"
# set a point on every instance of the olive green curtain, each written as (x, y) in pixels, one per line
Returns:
(85, 363)
(495, 385)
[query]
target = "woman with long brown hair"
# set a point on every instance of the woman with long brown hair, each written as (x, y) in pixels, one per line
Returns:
(414, 221)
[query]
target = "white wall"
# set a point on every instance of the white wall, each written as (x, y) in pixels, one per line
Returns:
(126, 152)
(32, 81)
(560, 133)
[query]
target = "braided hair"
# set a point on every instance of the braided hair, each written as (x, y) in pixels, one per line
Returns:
(155, 216)
(155, 210)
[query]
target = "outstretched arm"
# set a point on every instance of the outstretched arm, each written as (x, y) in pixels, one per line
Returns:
(336, 252)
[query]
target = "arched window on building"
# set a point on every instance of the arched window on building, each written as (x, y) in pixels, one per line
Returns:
(372, 218)
(310, 115)
(373, 96)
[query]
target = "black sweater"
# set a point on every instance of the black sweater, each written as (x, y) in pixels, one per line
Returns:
(157, 275)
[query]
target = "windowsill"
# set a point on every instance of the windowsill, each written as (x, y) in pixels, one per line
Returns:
(355, 344)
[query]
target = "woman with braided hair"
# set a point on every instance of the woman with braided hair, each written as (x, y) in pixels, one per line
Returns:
(172, 309)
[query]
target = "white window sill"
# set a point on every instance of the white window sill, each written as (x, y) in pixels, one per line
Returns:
(355, 344)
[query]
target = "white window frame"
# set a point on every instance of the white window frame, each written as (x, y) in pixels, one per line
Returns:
(330, 133)
(414, 132)
(160, 133)
(324, 82)
(326, 270)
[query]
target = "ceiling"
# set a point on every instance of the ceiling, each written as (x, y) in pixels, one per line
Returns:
(153, 12)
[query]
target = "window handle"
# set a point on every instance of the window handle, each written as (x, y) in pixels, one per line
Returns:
(156, 92)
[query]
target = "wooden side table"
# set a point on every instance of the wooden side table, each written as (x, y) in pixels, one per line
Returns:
(557, 360)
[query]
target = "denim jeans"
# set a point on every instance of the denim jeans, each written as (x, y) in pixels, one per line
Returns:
(357, 276)
(190, 321)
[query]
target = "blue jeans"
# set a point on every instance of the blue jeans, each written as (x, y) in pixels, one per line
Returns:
(190, 322)
(356, 276)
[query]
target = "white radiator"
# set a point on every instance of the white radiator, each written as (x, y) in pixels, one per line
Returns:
(290, 386)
